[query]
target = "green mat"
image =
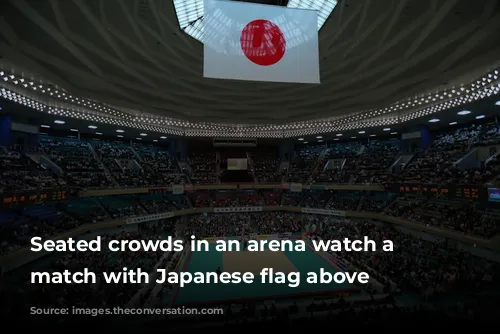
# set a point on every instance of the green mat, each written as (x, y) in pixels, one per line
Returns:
(306, 261)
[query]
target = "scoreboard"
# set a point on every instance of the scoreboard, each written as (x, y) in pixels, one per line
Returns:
(32, 197)
(471, 192)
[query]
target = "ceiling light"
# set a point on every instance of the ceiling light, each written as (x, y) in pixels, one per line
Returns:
(98, 133)
(45, 126)
(120, 131)
(434, 120)
(138, 138)
(336, 139)
(320, 141)
(92, 127)
(59, 121)
(372, 135)
(394, 133)
(338, 134)
(301, 139)
(480, 117)
(319, 137)
(305, 142)
(155, 140)
(73, 130)
(119, 136)
(497, 103)
(361, 132)
(353, 137)
(387, 129)
(453, 123)
(464, 112)
(144, 134)
(163, 137)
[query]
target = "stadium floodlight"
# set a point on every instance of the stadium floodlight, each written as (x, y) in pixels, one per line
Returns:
(92, 127)
(434, 120)
(480, 116)
(387, 129)
(57, 121)
(464, 112)
(120, 131)
(190, 14)
(453, 123)
(45, 126)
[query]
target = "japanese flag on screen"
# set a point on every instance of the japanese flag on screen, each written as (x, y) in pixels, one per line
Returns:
(248, 41)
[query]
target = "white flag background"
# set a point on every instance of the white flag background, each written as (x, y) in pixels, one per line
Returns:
(248, 41)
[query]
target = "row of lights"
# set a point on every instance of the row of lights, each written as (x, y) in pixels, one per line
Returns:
(462, 113)
(87, 109)
(320, 138)
(93, 127)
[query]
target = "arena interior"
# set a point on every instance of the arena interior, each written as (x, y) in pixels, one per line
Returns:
(108, 128)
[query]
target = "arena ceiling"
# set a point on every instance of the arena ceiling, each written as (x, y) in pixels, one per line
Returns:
(139, 63)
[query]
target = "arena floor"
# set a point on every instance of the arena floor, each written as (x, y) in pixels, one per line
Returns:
(308, 261)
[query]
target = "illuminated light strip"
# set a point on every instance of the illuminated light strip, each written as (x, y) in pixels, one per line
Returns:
(485, 87)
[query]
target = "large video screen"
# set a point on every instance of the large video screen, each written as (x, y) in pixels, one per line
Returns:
(494, 194)
(237, 164)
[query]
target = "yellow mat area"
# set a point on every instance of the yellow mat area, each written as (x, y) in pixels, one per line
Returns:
(254, 262)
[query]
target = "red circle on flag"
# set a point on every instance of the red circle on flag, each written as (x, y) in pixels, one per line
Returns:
(263, 42)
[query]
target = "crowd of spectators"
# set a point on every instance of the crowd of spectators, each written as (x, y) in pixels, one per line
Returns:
(21, 295)
(75, 163)
(203, 168)
(303, 164)
(18, 223)
(20, 173)
(428, 267)
(460, 215)
(76, 160)
(266, 167)
(158, 168)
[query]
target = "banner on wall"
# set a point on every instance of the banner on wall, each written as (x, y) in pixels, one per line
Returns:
(285, 236)
(323, 212)
(296, 187)
(239, 209)
(158, 216)
(178, 189)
